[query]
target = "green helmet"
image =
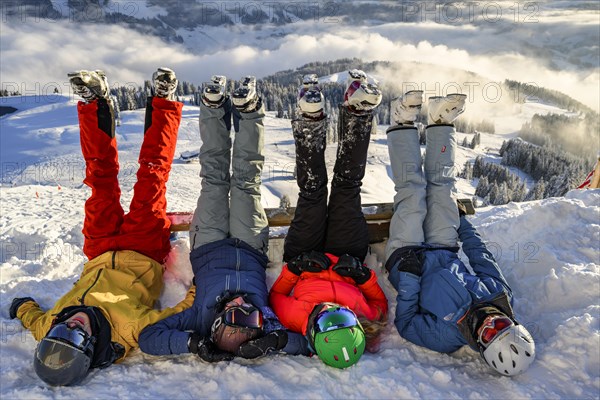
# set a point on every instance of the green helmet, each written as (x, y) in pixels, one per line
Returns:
(339, 339)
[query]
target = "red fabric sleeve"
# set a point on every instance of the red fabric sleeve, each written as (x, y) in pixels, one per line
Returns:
(290, 311)
(285, 281)
(375, 297)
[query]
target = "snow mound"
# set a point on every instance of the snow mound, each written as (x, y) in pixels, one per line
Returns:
(547, 249)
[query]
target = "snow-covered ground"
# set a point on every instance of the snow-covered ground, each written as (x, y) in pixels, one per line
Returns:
(549, 251)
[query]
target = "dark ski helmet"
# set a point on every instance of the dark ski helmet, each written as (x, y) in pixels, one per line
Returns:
(338, 337)
(64, 355)
(236, 325)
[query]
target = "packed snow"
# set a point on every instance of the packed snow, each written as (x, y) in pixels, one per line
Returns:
(548, 250)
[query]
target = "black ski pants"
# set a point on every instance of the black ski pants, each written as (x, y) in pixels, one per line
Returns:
(337, 227)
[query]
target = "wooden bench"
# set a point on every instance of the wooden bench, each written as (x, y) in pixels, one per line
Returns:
(378, 218)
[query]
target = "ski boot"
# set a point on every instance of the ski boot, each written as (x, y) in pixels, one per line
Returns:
(310, 80)
(89, 85)
(361, 97)
(356, 75)
(444, 110)
(213, 92)
(405, 109)
(244, 97)
(310, 98)
(165, 83)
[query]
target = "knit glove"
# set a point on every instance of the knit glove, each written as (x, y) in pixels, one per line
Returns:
(16, 303)
(351, 267)
(313, 261)
(410, 262)
(255, 348)
(207, 350)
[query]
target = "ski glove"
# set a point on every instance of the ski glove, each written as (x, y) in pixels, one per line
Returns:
(350, 266)
(255, 348)
(16, 303)
(207, 350)
(410, 262)
(313, 261)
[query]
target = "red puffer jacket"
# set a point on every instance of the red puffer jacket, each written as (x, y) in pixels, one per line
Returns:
(311, 288)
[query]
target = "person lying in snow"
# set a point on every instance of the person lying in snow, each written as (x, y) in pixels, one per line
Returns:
(97, 322)
(228, 238)
(441, 305)
(324, 289)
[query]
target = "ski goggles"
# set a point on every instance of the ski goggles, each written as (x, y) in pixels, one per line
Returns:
(76, 336)
(250, 317)
(245, 316)
(492, 327)
(331, 319)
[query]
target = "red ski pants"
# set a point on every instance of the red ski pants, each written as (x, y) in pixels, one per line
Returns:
(145, 228)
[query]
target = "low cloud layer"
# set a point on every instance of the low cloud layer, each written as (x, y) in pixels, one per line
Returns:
(34, 54)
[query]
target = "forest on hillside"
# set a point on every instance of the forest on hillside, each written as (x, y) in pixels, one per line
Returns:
(557, 151)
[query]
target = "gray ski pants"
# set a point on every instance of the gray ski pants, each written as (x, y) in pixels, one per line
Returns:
(424, 207)
(229, 204)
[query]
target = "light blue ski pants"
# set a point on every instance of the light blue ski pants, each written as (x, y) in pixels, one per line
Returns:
(229, 204)
(425, 209)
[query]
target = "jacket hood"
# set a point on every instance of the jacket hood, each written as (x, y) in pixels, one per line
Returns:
(469, 324)
(104, 351)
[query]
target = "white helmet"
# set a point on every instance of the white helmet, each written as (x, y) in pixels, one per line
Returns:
(511, 352)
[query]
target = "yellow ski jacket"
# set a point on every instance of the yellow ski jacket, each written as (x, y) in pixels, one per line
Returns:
(124, 285)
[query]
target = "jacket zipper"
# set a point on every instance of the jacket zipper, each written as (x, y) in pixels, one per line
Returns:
(114, 255)
(237, 265)
(91, 286)
(334, 292)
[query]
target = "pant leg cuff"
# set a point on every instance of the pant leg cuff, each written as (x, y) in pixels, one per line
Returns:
(400, 128)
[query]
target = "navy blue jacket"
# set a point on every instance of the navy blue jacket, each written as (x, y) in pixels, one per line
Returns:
(221, 269)
(430, 306)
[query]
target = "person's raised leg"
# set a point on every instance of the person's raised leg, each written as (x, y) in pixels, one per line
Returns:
(103, 211)
(347, 231)
(211, 218)
(442, 219)
(247, 218)
(410, 207)
(145, 228)
(307, 230)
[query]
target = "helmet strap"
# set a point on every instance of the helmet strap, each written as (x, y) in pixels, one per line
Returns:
(310, 331)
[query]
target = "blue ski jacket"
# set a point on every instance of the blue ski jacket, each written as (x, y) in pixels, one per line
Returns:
(221, 269)
(429, 307)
